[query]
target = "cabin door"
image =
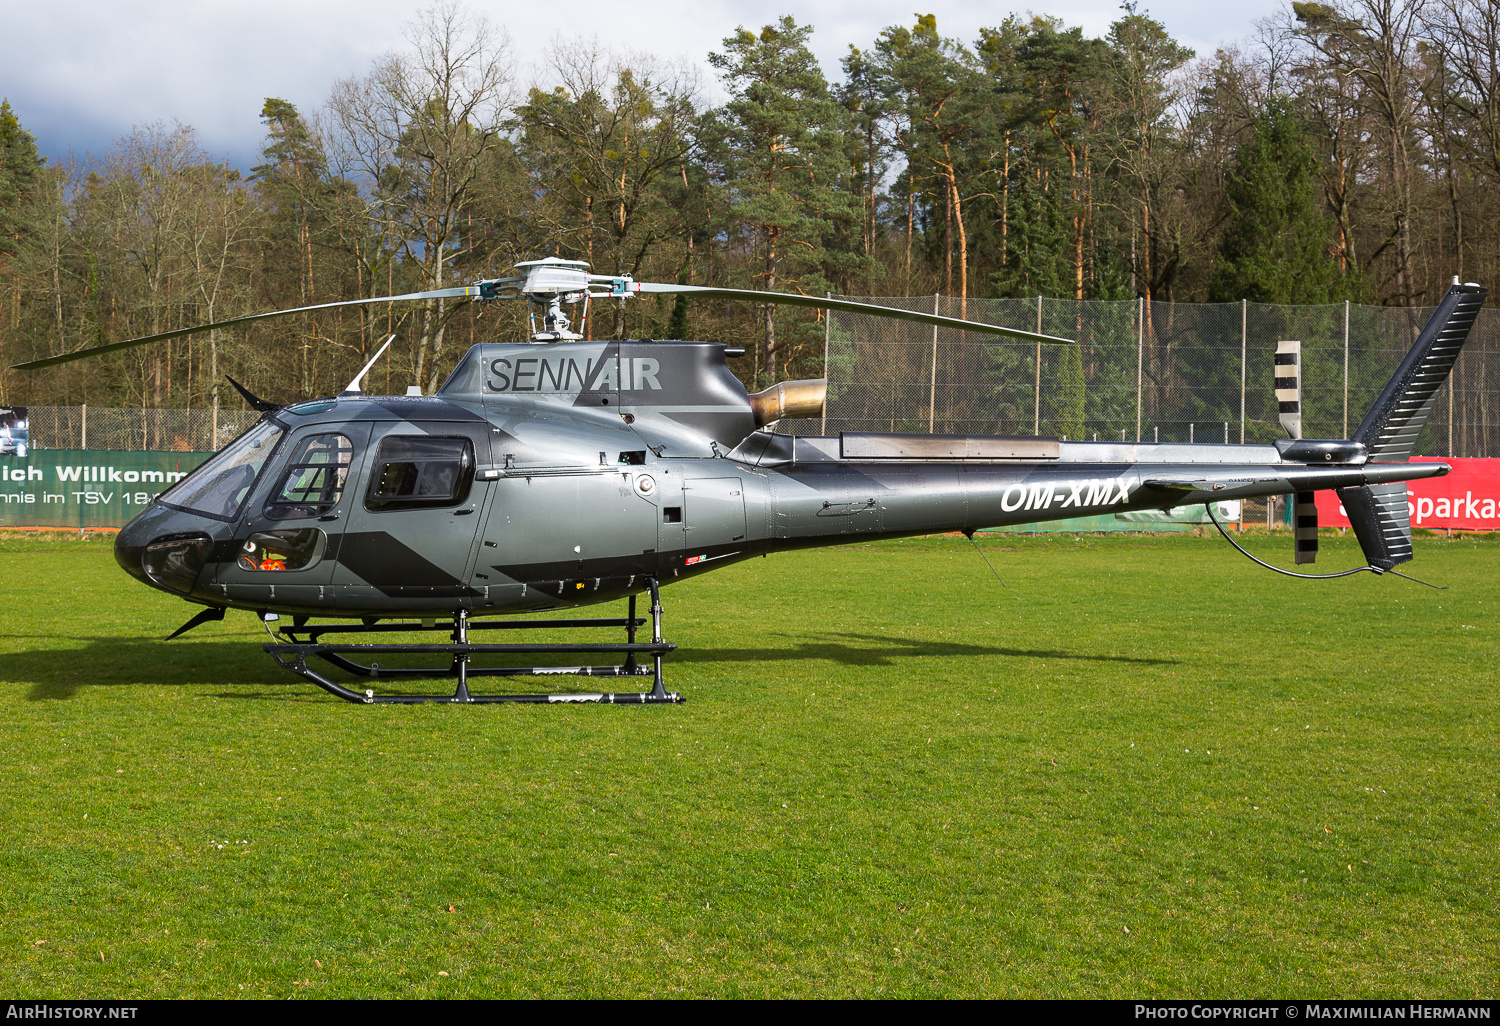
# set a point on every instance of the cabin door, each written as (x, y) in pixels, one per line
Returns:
(410, 538)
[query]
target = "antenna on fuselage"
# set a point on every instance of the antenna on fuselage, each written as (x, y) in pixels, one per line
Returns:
(353, 387)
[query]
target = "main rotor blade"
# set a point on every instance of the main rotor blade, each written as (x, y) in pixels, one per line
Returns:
(111, 347)
(793, 299)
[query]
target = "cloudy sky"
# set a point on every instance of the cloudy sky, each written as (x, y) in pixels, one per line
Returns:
(80, 74)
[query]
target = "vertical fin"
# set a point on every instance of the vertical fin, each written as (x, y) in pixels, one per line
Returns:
(1379, 513)
(1382, 522)
(1389, 431)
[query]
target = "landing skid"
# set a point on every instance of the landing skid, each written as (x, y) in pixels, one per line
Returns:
(305, 642)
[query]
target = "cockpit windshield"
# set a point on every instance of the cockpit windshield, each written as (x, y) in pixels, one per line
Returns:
(219, 487)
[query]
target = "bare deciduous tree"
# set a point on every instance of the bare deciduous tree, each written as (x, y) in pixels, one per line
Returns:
(416, 132)
(601, 143)
(1373, 43)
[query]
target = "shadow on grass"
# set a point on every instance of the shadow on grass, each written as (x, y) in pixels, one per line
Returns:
(112, 662)
(882, 649)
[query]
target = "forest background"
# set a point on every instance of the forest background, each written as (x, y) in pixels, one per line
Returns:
(1350, 151)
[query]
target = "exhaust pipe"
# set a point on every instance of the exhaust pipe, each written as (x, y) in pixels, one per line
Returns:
(789, 399)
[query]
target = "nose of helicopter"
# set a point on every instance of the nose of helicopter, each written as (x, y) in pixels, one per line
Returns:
(130, 546)
(164, 548)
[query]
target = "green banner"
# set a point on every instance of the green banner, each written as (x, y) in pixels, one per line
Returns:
(86, 488)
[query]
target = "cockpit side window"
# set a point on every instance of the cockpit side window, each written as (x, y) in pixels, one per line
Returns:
(419, 471)
(218, 488)
(313, 481)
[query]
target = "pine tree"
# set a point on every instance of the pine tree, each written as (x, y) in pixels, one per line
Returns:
(1068, 404)
(606, 149)
(939, 103)
(785, 162)
(1275, 244)
(20, 169)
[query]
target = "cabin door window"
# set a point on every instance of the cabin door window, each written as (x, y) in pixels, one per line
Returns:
(314, 479)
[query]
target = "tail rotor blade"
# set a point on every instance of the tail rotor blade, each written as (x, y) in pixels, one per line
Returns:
(1305, 534)
(1289, 386)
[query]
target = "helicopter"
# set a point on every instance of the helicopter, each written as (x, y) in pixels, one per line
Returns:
(558, 473)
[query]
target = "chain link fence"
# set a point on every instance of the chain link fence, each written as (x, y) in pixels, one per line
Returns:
(1151, 371)
(97, 427)
(1148, 371)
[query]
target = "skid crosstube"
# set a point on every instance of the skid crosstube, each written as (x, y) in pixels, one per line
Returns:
(305, 641)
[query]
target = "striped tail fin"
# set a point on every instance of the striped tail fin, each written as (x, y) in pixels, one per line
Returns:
(1389, 431)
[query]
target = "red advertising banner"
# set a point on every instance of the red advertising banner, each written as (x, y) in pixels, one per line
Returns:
(1467, 498)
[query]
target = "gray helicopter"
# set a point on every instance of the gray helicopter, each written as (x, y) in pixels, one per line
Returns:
(560, 473)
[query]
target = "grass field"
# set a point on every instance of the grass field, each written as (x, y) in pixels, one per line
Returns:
(1141, 768)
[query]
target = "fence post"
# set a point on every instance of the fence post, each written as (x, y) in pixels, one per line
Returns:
(1244, 335)
(1346, 368)
(932, 393)
(1452, 380)
(1036, 423)
(83, 443)
(827, 334)
(1140, 351)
